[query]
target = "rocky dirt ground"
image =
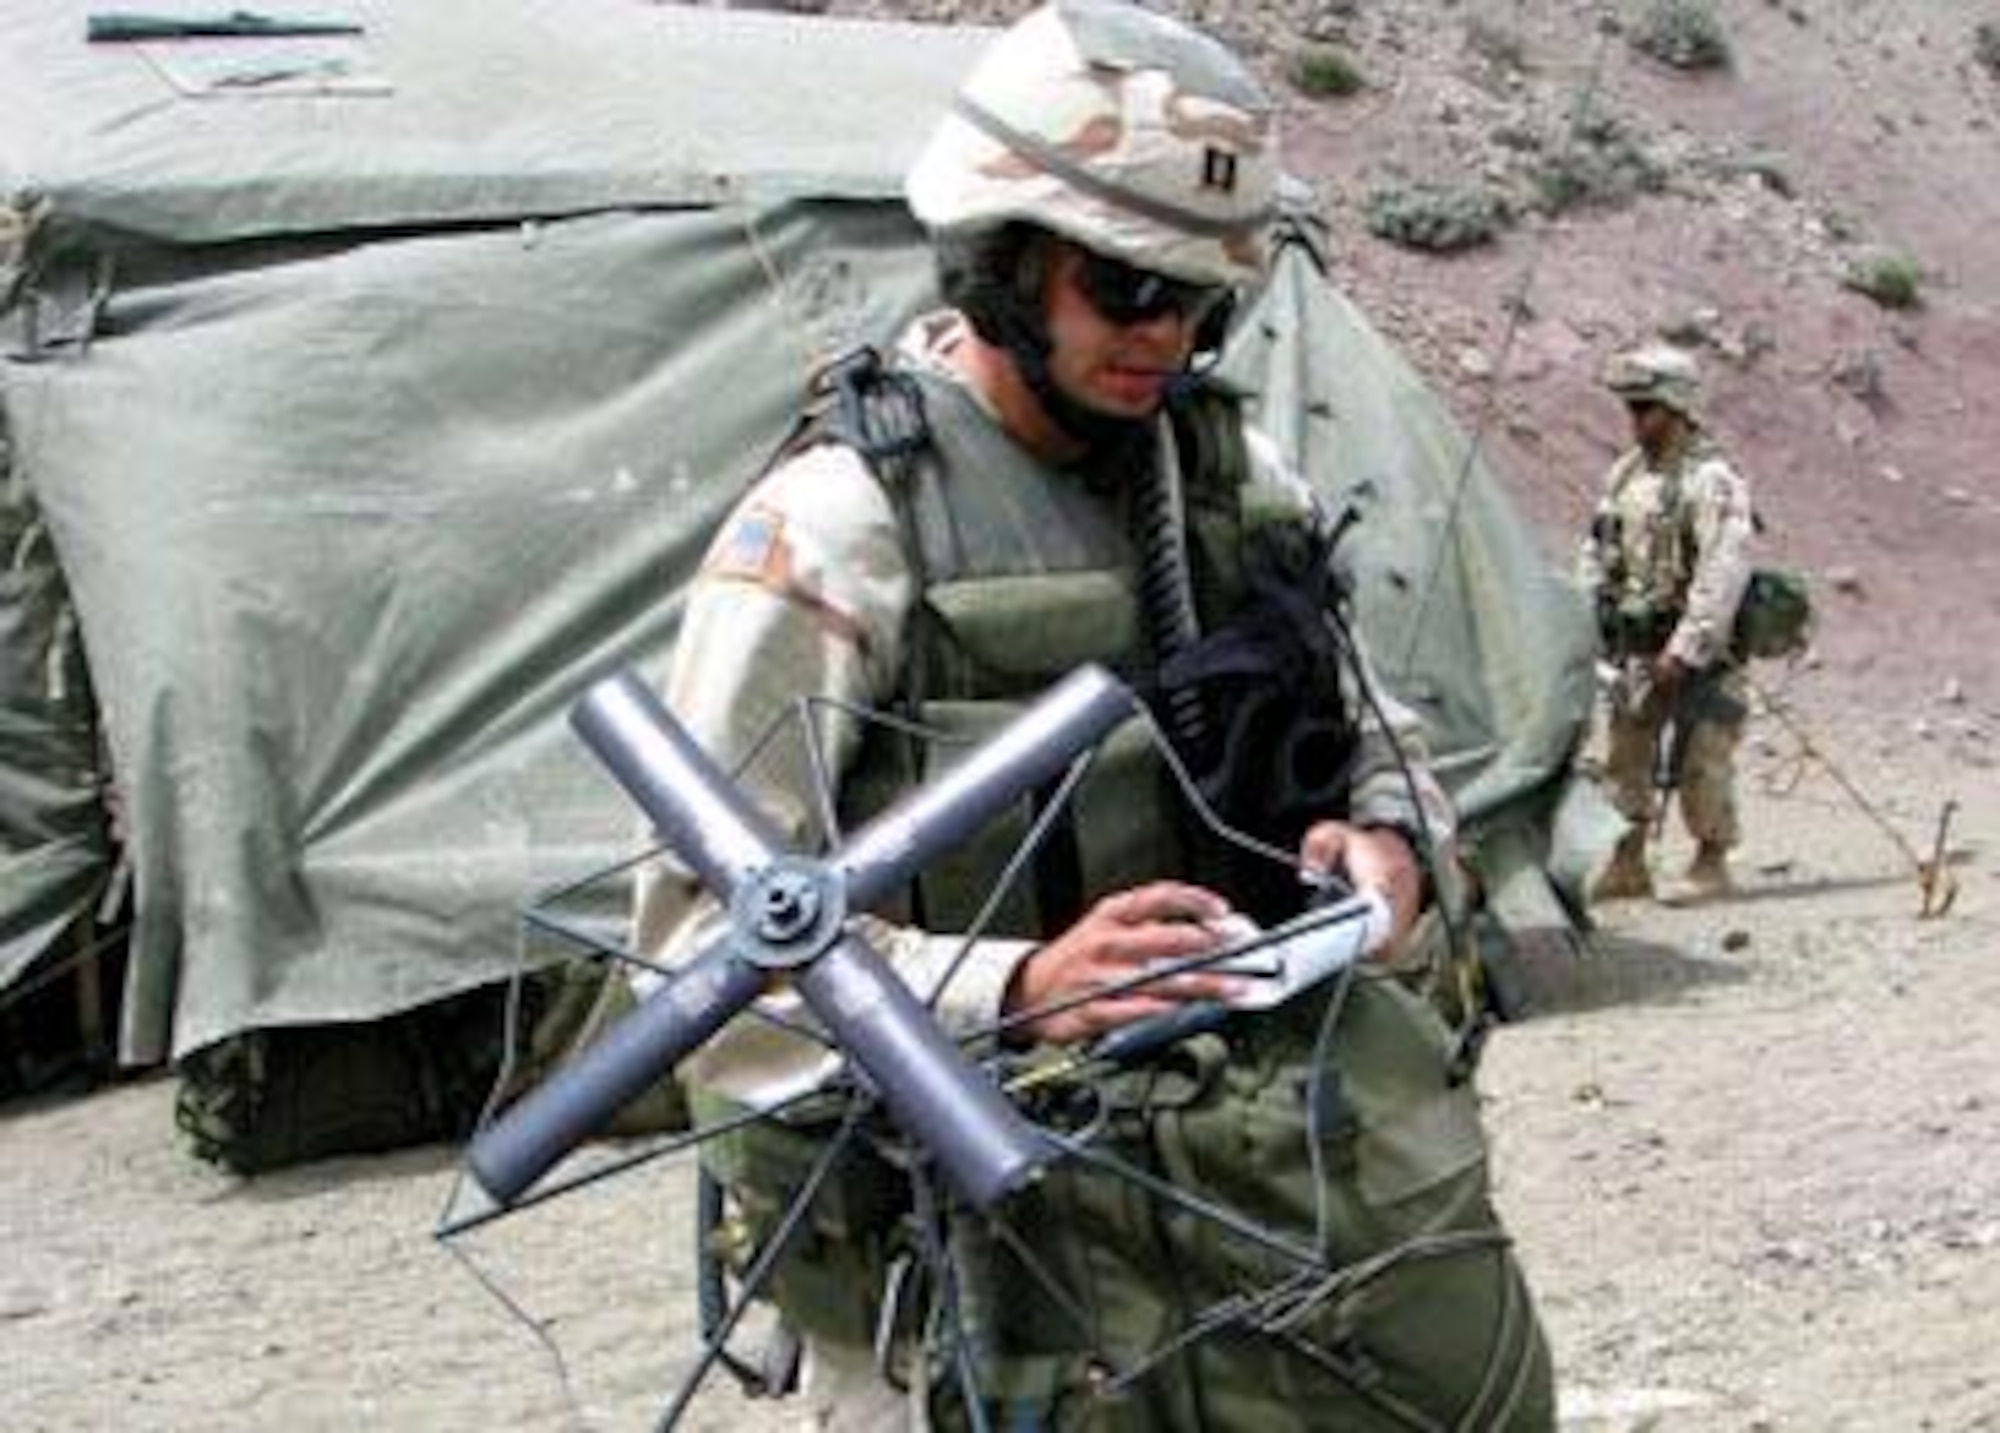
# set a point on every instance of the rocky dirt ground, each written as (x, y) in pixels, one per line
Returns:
(1748, 1148)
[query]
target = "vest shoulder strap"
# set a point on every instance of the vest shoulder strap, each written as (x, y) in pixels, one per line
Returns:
(861, 402)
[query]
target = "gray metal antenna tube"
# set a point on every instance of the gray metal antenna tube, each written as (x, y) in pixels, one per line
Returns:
(692, 804)
(980, 1141)
(579, 1098)
(1032, 749)
(689, 799)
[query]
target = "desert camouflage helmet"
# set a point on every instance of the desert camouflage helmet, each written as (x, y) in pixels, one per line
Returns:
(1659, 374)
(1121, 129)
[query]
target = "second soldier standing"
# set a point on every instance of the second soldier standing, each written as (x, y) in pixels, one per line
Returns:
(1666, 562)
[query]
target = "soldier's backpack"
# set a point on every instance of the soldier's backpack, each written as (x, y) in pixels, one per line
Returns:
(1776, 615)
(269, 1099)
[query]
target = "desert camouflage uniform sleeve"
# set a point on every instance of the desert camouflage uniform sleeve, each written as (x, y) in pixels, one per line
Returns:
(1393, 784)
(1720, 523)
(802, 594)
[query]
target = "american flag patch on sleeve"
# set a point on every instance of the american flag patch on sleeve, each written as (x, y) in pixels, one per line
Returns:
(752, 547)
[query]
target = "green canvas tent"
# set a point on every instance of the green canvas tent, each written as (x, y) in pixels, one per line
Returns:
(365, 397)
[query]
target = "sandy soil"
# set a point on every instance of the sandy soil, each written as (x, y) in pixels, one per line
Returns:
(1747, 1149)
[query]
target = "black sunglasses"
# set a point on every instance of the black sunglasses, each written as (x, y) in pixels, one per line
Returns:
(1125, 294)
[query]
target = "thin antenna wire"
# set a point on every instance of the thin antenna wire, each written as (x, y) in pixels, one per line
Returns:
(1516, 307)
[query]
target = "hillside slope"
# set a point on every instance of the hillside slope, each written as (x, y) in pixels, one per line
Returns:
(1722, 206)
(1867, 431)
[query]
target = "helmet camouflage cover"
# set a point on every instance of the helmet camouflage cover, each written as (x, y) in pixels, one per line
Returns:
(1115, 127)
(1659, 374)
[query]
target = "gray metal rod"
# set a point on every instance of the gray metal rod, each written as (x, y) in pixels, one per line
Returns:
(1033, 748)
(578, 1099)
(690, 800)
(981, 1142)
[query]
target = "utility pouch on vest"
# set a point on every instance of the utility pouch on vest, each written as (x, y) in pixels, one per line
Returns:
(831, 1279)
(1636, 633)
(1382, 1090)
(1426, 1303)
(1007, 631)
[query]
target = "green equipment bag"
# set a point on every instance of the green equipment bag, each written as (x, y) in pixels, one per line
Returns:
(1355, 1143)
(269, 1099)
(1776, 615)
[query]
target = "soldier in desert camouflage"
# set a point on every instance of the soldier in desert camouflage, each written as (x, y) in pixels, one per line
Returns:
(1103, 188)
(1666, 561)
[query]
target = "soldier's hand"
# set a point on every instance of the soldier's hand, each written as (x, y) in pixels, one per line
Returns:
(1370, 858)
(1668, 673)
(1120, 937)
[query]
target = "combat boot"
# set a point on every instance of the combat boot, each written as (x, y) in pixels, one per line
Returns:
(1708, 872)
(1627, 877)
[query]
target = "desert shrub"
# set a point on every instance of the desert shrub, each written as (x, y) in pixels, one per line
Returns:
(1986, 46)
(1893, 280)
(1435, 218)
(1681, 33)
(1603, 160)
(1326, 71)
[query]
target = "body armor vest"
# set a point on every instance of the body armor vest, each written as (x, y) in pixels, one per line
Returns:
(1647, 552)
(1025, 572)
